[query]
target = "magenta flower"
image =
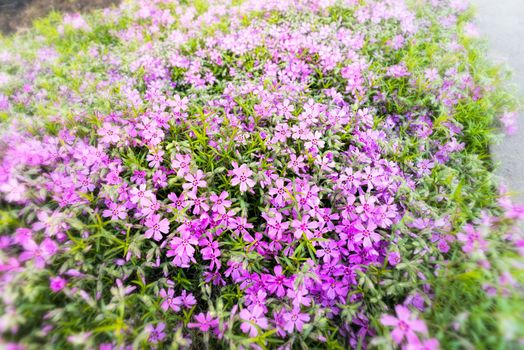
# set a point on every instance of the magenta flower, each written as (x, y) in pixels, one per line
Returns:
(181, 164)
(279, 192)
(155, 158)
(220, 203)
(109, 133)
(194, 181)
(40, 254)
(115, 211)
(182, 249)
(179, 202)
(367, 234)
(296, 163)
(137, 195)
(156, 227)
(156, 334)
(204, 322)
(304, 227)
(277, 283)
(241, 176)
(253, 319)
(170, 302)
(56, 284)
(275, 227)
(295, 320)
(405, 325)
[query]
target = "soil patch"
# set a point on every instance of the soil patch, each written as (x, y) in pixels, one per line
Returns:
(19, 14)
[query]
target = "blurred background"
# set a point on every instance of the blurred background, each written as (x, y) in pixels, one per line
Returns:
(501, 22)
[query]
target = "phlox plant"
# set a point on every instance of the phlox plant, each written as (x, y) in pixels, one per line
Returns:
(285, 174)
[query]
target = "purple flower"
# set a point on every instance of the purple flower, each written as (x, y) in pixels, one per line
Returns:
(252, 319)
(366, 234)
(182, 249)
(220, 203)
(204, 322)
(109, 133)
(194, 181)
(156, 334)
(39, 253)
(295, 320)
(242, 176)
(57, 284)
(405, 325)
(394, 258)
(170, 302)
(115, 211)
(156, 227)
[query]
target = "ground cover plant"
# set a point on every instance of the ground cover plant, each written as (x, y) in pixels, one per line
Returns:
(256, 174)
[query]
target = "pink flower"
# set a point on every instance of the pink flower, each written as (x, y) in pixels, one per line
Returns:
(137, 195)
(194, 181)
(181, 164)
(279, 192)
(187, 299)
(204, 322)
(182, 249)
(220, 202)
(115, 211)
(156, 227)
(241, 176)
(179, 203)
(57, 284)
(109, 133)
(275, 227)
(304, 227)
(170, 302)
(509, 120)
(240, 225)
(252, 319)
(405, 325)
(472, 240)
(366, 209)
(367, 234)
(296, 163)
(295, 320)
(276, 284)
(156, 334)
(199, 203)
(40, 254)
(155, 159)
(394, 258)
(281, 133)
(178, 104)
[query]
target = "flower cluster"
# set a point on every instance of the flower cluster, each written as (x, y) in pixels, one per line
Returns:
(268, 174)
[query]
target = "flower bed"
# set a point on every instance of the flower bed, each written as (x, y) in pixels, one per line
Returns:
(282, 174)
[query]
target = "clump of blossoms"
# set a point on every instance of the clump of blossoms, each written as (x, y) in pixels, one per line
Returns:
(280, 174)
